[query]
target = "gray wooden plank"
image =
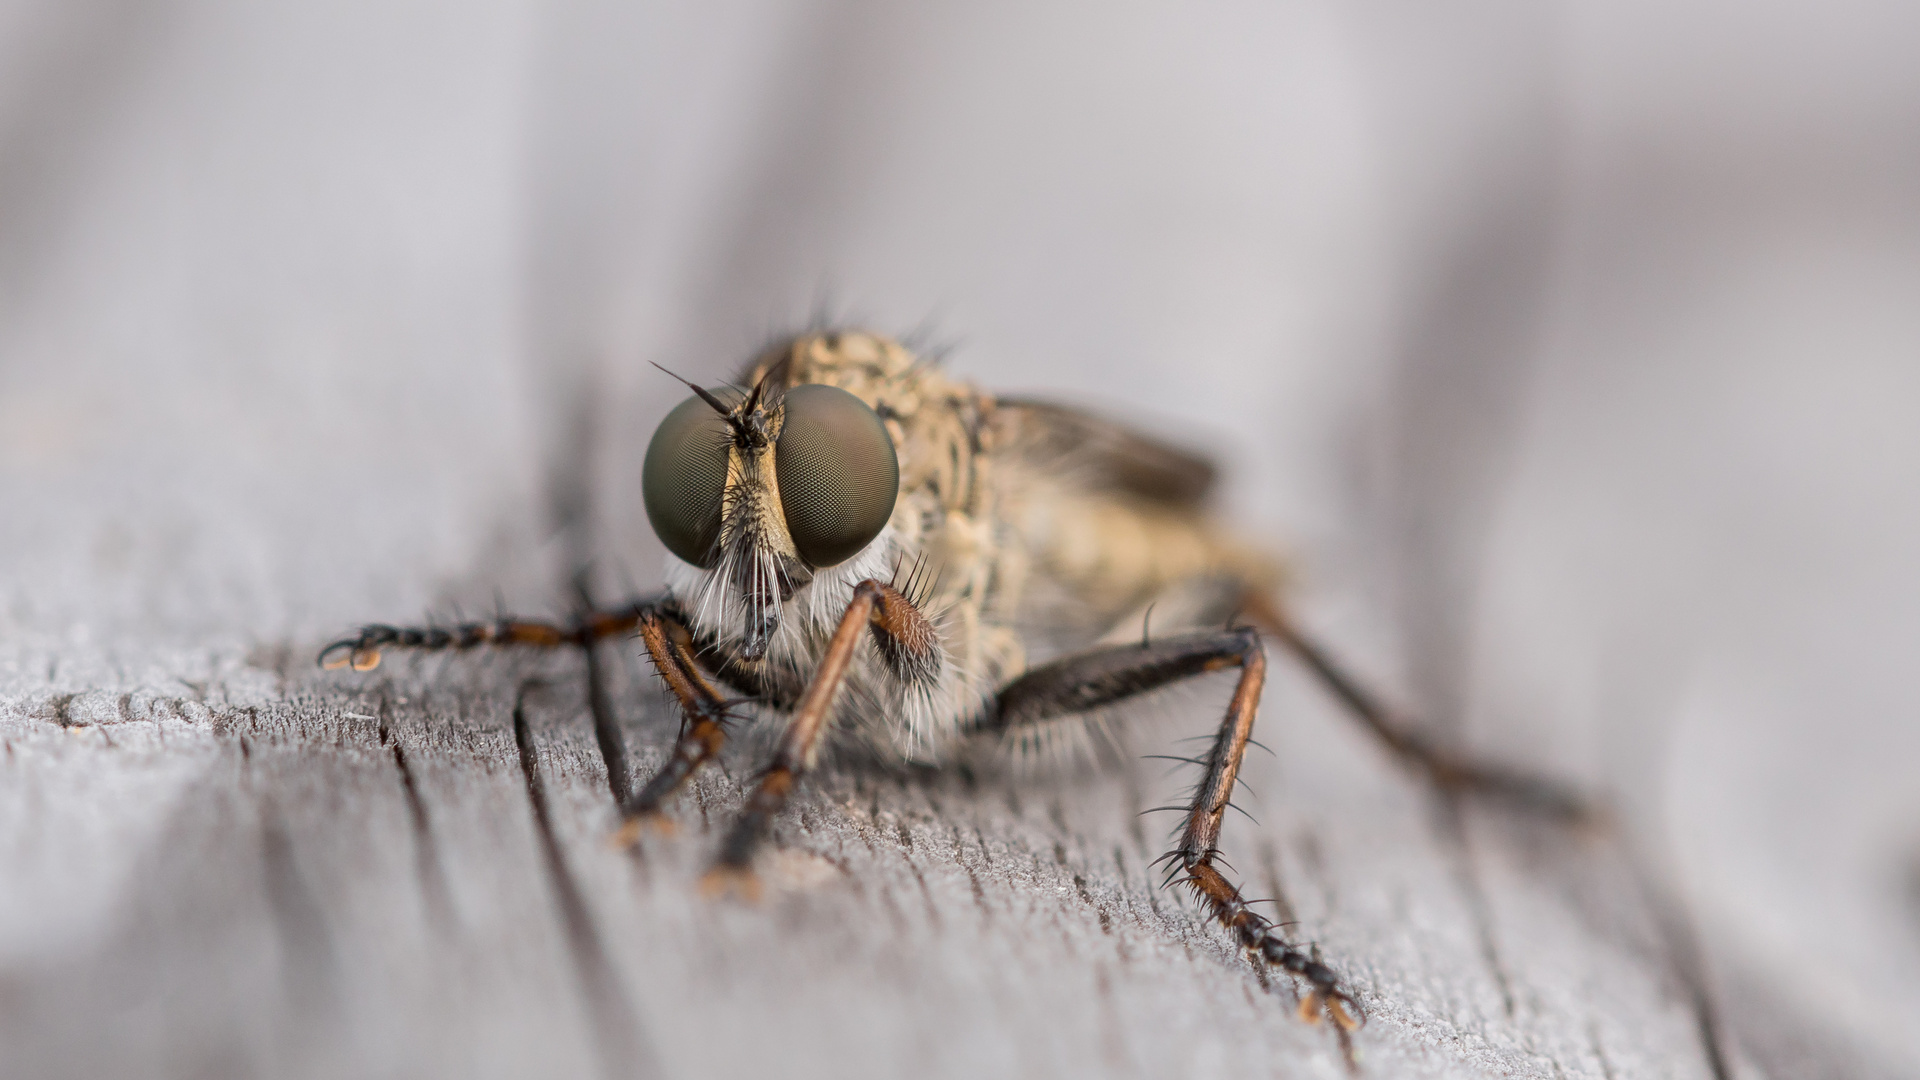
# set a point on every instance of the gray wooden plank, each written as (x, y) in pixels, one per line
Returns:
(267, 371)
(297, 904)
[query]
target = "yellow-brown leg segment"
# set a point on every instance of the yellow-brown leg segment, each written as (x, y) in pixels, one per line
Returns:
(668, 642)
(1410, 746)
(362, 651)
(703, 715)
(1103, 676)
(909, 646)
(1200, 839)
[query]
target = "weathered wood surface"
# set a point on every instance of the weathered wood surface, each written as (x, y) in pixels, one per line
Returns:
(304, 323)
(299, 875)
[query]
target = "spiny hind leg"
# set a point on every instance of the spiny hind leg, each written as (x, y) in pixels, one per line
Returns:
(1450, 771)
(1108, 675)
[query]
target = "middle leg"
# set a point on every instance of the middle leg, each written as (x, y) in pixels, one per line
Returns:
(1104, 676)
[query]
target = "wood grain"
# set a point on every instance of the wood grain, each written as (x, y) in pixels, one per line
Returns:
(317, 314)
(292, 873)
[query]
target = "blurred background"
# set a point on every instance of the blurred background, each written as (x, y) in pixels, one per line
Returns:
(1572, 349)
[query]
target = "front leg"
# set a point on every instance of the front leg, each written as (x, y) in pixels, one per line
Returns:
(1105, 676)
(703, 717)
(362, 651)
(910, 648)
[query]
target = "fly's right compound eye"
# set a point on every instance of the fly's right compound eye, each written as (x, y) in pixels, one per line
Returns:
(837, 471)
(683, 479)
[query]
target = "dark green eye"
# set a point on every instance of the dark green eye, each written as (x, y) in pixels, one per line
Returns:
(837, 472)
(683, 478)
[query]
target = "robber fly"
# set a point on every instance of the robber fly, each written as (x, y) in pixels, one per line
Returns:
(1033, 540)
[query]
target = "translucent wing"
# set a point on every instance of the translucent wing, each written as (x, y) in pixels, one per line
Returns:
(1108, 454)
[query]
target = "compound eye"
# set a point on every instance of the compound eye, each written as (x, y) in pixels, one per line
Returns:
(837, 472)
(684, 477)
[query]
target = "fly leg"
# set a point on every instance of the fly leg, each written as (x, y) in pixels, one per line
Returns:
(362, 651)
(1104, 676)
(907, 644)
(700, 705)
(1450, 772)
(703, 716)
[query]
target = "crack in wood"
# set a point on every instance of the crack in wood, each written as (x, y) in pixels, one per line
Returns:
(1674, 923)
(926, 893)
(606, 724)
(1453, 827)
(309, 966)
(433, 884)
(1315, 861)
(613, 1019)
(1599, 1051)
(1270, 865)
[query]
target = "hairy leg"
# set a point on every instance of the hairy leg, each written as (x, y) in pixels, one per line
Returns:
(1104, 676)
(668, 643)
(703, 716)
(1451, 772)
(907, 644)
(363, 650)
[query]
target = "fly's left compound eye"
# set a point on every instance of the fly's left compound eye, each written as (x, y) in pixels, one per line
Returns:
(683, 479)
(837, 472)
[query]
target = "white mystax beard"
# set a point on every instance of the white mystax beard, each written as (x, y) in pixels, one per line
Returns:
(898, 723)
(717, 608)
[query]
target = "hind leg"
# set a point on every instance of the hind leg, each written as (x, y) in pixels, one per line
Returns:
(1104, 676)
(1450, 771)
